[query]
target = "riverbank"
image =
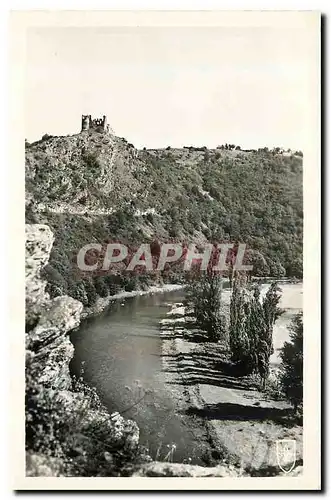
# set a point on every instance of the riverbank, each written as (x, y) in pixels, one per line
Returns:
(103, 302)
(69, 430)
(243, 423)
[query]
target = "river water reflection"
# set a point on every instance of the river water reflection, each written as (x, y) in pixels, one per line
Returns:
(120, 351)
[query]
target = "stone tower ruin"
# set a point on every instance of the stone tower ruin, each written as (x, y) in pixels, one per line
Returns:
(96, 123)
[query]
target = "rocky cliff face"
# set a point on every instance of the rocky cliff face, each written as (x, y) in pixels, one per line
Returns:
(58, 411)
(68, 431)
(47, 342)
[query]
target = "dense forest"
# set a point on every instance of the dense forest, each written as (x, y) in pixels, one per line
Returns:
(95, 187)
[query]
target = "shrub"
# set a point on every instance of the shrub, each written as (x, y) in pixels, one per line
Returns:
(91, 162)
(257, 260)
(291, 354)
(251, 328)
(295, 268)
(214, 193)
(56, 283)
(77, 291)
(276, 269)
(101, 287)
(130, 282)
(204, 293)
(150, 218)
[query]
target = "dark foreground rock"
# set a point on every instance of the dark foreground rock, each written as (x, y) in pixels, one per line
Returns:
(161, 469)
(68, 431)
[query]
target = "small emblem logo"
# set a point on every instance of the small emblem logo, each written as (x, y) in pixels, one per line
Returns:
(286, 454)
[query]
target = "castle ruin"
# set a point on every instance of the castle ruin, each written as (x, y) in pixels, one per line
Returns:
(98, 124)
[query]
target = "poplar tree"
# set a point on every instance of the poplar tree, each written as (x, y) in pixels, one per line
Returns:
(251, 328)
(291, 354)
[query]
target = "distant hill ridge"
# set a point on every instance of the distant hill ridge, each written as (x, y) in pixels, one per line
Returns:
(94, 186)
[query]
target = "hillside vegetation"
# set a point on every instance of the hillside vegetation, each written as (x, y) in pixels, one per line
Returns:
(95, 187)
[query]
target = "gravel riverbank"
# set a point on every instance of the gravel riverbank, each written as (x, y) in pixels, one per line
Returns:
(242, 423)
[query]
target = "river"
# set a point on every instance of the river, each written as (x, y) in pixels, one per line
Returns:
(119, 352)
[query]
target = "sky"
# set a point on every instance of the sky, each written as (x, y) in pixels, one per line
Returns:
(160, 86)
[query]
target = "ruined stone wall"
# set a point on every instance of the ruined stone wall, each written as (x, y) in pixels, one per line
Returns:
(94, 123)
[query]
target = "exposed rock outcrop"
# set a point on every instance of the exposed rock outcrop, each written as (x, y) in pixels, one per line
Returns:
(53, 405)
(38, 244)
(161, 469)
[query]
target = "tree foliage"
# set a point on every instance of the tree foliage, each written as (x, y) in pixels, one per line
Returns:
(223, 195)
(204, 294)
(251, 326)
(291, 354)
